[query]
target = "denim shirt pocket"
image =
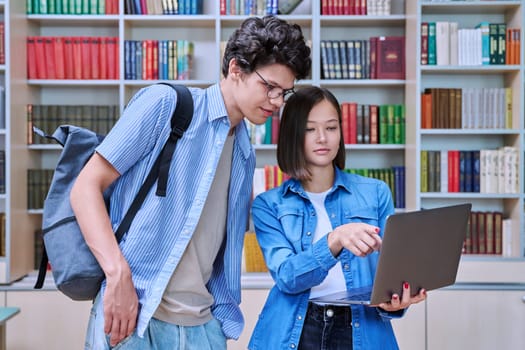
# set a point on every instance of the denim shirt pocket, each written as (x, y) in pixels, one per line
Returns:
(368, 216)
(292, 221)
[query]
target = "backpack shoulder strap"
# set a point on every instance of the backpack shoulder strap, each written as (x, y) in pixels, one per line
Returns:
(180, 121)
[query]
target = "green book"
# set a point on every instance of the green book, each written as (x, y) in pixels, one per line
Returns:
(502, 43)
(383, 122)
(432, 43)
(390, 127)
(493, 40)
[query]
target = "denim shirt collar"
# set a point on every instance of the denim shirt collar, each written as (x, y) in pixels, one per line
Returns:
(294, 185)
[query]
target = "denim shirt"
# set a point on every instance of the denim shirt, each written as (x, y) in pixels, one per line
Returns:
(161, 230)
(285, 221)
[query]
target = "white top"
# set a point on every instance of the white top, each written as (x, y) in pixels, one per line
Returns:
(334, 281)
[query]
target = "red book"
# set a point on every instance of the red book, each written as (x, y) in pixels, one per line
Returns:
(49, 49)
(40, 54)
(94, 49)
(60, 66)
(275, 128)
(453, 171)
(86, 57)
(345, 122)
(426, 111)
(353, 122)
(103, 58)
(2, 43)
(424, 43)
(222, 7)
(155, 59)
(77, 58)
(390, 55)
(31, 58)
(69, 59)
(143, 7)
(113, 57)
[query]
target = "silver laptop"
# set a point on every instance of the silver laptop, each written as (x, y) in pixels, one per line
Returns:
(422, 248)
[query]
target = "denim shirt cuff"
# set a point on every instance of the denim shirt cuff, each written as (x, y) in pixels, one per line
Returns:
(323, 254)
(389, 315)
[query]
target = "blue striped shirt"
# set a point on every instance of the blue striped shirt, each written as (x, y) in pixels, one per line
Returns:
(163, 227)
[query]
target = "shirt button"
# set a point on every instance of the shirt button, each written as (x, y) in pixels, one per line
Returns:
(333, 216)
(356, 324)
(308, 233)
(346, 267)
(299, 317)
(292, 346)
(329, 312)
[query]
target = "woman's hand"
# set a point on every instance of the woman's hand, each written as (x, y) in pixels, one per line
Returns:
(396, 303)
(359, 238)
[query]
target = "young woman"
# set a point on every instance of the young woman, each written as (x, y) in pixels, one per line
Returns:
(320, 233)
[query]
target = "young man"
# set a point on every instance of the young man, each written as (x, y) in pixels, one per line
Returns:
(174, 280)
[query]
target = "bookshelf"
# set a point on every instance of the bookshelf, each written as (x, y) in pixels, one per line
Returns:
(207, 31)
(456, 75)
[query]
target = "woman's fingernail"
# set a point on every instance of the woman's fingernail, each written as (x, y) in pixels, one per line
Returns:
(377, 230)
(406, 285)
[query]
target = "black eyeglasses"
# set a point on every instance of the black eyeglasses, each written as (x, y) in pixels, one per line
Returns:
(276, 92)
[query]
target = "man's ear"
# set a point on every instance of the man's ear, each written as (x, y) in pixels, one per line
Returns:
(234, 69)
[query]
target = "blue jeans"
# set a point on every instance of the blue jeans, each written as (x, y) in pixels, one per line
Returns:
(159, 335)
(327, 327)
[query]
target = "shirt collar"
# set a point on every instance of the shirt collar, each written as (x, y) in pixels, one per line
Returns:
(294, 185)
(217, 110)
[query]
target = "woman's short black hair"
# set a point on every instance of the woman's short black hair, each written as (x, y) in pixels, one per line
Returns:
(268, 40)
(290, 146)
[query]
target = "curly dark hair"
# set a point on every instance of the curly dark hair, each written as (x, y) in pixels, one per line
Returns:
(268, 40)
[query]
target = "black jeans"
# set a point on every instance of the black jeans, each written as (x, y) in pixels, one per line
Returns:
(327, 327)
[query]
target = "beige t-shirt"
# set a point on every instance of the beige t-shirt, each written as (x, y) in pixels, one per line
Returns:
(186, 300)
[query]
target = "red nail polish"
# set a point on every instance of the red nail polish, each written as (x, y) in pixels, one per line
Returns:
(377, 230)
(406, 285)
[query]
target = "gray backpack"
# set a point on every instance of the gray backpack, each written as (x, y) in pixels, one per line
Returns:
(75, 270)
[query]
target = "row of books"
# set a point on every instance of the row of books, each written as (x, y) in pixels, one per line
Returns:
(466, 108)
(99, 118)
(51, 57)
(271, 176)
(373, 124)
(163, 7)
(158, 59)
(356, 7)
(257, 7)
(38, 182)
(376, 58)
(72, 7)
(481, 171)
(488, 233)
(361, 123)
(264, 134)
(443, 43)
(394, 178)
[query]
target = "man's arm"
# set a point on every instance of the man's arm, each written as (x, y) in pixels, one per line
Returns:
(120, 299)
